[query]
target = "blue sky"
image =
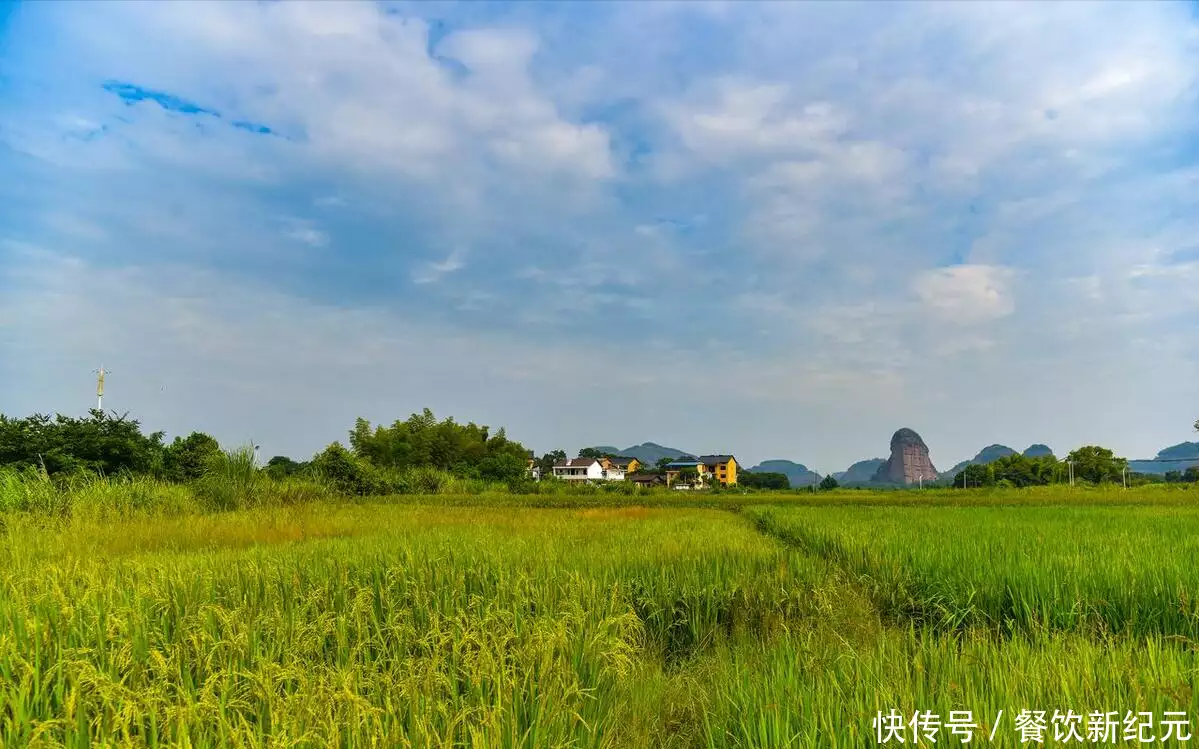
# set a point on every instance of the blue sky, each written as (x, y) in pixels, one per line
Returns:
(780, 230)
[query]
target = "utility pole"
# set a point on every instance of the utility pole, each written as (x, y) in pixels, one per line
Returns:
(100, 386)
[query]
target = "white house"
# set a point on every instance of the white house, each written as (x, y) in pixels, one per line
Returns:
(587, 469)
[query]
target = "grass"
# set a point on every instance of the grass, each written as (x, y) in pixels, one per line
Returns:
(1089, 568)
(307, 620)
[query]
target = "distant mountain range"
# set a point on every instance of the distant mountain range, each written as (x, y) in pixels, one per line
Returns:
(861, 472)
(1174, 458)
(992, 453)
(797, 473)
(649, 453)
(1038, 451)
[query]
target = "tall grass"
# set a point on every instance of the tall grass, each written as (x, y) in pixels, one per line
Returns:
(454, 628)
(1094, 569)
(386, 625)
(279, 621)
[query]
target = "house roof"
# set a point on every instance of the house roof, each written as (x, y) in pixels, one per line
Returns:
(621, 461)
(576, 463)
(646, 478)
(715, 458)
(684, 463)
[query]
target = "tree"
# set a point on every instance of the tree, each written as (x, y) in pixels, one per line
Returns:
(185, 458)
(547, 462)
(591, 452)
(763, 480)
(975, 474)
(101, 442)
(502, 467)
(349, 473)
(662, 463)
(828, 483)
(281, 467)
(1097, 464)
(468, 450)
(688, 476)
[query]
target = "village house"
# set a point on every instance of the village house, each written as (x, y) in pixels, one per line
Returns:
(627, 465)
(722, 468)
(647, 480)
(588, 469)
(701, 471)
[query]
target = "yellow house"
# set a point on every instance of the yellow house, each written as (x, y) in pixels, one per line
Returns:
(720, 468)
(723, 468)
(628, 465)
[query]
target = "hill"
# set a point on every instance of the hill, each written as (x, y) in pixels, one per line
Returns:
(988, 454)
(1037, 451)
(1174, 458)
(797, 473)
(649, 453)
(861, 472)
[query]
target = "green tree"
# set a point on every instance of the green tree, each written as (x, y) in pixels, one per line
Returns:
(828, 483)
(347, 472)
(763, 480)
(421, 441)
(662, 463)
(1097, 465)
(101, 442)
(547, 462)
(591, 452)
(185, 458)
(687, 476)
(973, 475)
(281, 467)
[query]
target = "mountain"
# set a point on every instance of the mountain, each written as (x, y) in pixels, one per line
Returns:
(1038, 451)
(1174, 458)
(859, 473)
(647, 452)
(797, 473)
(988, 454)
(1182, 450)
(909, 462)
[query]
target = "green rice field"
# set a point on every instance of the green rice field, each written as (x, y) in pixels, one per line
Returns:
(477, 622)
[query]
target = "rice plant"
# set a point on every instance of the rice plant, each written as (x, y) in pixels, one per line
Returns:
(1089, 568)
(466, 620)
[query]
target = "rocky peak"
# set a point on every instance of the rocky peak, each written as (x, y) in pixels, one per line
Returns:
(909, 461)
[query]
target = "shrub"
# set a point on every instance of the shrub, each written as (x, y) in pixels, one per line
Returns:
(347, 473)
(231, 480)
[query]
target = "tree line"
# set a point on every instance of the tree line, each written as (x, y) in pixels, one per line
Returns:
(1090, 464)
(378, 457)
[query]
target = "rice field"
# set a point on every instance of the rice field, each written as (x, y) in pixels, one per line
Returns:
(1087, 568)
(435, 624)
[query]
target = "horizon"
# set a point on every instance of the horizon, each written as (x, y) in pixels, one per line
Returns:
(792, 228)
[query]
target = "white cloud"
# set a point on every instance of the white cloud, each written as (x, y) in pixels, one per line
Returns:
(432, 272)
(966, 294)
(842, 155)
(308, 235)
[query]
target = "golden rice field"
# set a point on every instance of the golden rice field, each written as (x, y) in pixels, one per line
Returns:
(441, 624)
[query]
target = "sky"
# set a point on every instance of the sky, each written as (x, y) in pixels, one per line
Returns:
(773, 230)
